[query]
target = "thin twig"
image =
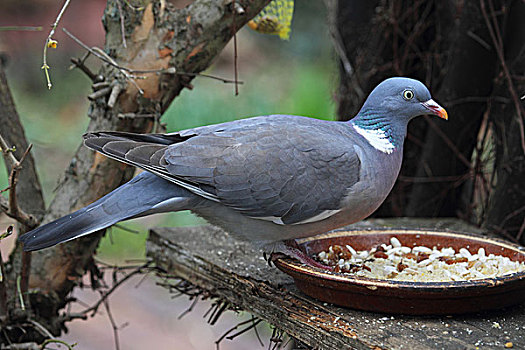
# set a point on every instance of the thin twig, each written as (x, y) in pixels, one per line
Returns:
(8, 152)
(13, 181)
(254, 324)
(188, 310)
(41, 329)
(115, 92)
(93, 309)
(113, 325)
(122, 28)
(79, 63)
(49, 39)
(220, 311)
(20, 28)
(3, 289)
(339, 47)
(235, 56)
(104, 57)
(448, 142)
(57, 341)
(104, 295)
(171, 70)
(11, 207)
(19, 292)
(25, 272)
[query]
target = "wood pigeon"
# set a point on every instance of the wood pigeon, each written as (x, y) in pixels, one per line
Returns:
(268, 179)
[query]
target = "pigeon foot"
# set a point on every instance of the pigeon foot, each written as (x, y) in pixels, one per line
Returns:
(290, 248)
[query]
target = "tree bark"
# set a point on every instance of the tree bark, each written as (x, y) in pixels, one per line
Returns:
(28, 190)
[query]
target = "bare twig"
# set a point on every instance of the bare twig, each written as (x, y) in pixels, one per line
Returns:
(41, 329)
(13, 180)
(25, 272)
(339, 47)
(93, 309)
(449, 143)
(22, 346)
(49, 41)
(122, 28)
(57, 341)
(8, 151)
(3, 289)
(113, 325)
(19, 292)
(190, 309)
(115, 92)
(254, 322)
(253, 325)
(11, 207)
(221, 307)
(20, 28)
(171, 70)
(79, 63)
(479, 40)
(99, 93)
(235, 56)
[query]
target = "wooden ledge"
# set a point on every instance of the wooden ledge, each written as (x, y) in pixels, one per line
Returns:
(236, 272)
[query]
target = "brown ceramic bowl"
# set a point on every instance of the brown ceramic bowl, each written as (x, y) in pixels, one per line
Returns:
(402, 297)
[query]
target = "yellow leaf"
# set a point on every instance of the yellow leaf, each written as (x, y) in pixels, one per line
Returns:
(275, 19)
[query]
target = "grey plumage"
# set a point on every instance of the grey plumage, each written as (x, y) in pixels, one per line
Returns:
(265, 179)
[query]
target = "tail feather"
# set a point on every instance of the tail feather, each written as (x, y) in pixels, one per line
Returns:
(145, 194)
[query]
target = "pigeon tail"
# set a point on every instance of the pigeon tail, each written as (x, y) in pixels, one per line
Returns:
(144, 195)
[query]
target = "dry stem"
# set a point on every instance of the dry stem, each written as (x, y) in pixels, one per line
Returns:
(45, 66)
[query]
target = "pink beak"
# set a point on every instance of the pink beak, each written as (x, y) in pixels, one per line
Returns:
(436, 109)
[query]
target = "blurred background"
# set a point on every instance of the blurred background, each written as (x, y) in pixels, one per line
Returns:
(298, 76)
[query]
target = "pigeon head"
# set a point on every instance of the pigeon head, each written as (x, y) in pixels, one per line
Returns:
(384, 117)
(401, 99)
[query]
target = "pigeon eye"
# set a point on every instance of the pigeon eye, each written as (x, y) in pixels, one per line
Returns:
(408, 94)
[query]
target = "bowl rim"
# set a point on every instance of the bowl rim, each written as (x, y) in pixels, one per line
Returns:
(373, 283)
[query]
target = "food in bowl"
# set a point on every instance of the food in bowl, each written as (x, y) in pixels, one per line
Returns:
(396, 261)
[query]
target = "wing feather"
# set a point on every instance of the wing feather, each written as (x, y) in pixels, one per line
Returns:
(280, 169)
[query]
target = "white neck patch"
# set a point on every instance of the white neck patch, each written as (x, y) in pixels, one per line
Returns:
(377, 138)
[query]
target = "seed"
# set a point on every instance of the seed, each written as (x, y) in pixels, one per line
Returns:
(422, 256)
(395, 242)
(380, 255)
(420, 264)
(337, 249)
(411, 256)
(401, 267)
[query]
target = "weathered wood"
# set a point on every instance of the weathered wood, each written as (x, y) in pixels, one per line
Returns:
(236, 272)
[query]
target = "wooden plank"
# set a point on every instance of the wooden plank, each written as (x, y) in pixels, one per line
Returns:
(236, 272)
